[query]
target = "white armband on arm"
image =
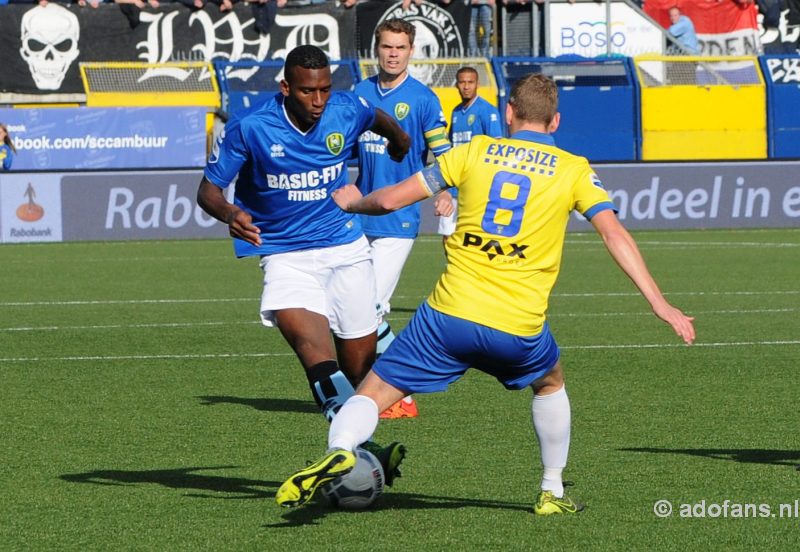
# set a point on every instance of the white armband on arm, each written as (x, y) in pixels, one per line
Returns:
(432, 179)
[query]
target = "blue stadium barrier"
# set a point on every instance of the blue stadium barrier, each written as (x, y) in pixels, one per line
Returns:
(598, 101)
(246, 84)
(782, 76)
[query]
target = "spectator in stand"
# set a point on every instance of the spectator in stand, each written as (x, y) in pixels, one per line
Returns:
(264, 12)
(682, 28)
(771, 10)
(407, 3)
(194, 4)
(480, 27)
(224, 5)
(139, 4)
(131, 8)
(7, 149)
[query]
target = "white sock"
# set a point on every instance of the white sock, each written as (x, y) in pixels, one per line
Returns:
(354, 423)
(551, 420)
(408, 400)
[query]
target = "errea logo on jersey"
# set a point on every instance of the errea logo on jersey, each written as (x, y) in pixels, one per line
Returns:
(276, 150)
(401, 111)
(335, 142)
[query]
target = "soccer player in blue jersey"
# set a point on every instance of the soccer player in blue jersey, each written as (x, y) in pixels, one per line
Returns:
(474, 116)
(289, 155)
(419, 112)
(488, 309)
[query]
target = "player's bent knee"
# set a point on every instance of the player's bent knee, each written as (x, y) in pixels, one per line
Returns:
(549, 383)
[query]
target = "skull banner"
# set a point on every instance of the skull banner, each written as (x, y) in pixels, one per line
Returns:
(41, 47)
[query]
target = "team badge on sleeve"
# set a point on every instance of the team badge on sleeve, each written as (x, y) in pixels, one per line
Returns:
(596, 181)
(401, 111)
(335, 142)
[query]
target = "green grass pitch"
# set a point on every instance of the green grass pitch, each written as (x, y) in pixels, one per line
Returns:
(143, 407)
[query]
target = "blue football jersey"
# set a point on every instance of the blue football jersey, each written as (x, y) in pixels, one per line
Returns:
(286, 176)
(419, 112)
(480, 117)
(6, 156)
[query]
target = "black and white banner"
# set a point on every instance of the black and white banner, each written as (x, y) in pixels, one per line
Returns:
(41, 46)
(780, 30)
(441, 32)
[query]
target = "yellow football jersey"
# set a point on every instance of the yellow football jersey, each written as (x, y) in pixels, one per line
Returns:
(515, 196)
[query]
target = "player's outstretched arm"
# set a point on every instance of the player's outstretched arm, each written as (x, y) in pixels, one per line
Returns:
(383, 200)
(240, 224)
(399, 141)
(625, 252)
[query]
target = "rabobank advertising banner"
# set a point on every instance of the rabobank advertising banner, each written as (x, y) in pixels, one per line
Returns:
(678, 196)
(30, 208)
(88, 138)
(145, 205)
(83, 206)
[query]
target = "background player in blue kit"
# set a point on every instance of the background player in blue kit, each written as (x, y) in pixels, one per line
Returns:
(417, 109)
(289, 155)
(474, 116)
(488, 309)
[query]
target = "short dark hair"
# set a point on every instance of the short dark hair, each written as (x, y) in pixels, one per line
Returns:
(307, 57)
(467, 69)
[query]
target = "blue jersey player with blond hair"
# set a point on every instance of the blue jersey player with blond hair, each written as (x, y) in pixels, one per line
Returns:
(419, 112)
(287, 157)
(488, 309)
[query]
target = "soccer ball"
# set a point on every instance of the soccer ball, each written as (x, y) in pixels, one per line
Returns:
(359, 488)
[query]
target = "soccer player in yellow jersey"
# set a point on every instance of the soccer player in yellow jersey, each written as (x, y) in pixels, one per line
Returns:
(488, 309)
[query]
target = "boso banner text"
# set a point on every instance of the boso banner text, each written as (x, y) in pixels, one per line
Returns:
(85, 138)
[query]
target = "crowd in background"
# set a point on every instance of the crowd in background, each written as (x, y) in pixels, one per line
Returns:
(482, 23)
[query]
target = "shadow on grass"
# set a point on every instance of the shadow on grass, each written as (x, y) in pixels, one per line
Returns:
(266, 405)
(749, 456)
(315, 511)
(182, 478)
(214, 486)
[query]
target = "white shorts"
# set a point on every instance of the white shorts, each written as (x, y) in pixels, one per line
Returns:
(388, 257)
(336, 282)
(447, 225)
